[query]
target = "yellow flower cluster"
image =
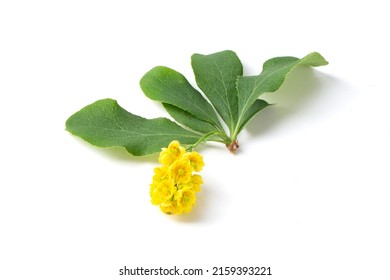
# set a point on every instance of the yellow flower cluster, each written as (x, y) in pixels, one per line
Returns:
(174, 184)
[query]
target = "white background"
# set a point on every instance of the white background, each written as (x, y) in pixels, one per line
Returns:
(306, 194)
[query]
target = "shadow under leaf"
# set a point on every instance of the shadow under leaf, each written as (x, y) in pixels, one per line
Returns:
(304, 89)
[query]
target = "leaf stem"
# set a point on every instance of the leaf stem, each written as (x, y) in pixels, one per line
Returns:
(234, 134)
(223, 136)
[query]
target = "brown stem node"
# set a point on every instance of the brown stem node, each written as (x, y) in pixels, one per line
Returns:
(233, 146)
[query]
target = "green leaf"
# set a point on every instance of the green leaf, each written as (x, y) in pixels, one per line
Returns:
(216, 75)
(106, 124)
(169, 86)
(271, 78)
(188, 120)
(256, 107)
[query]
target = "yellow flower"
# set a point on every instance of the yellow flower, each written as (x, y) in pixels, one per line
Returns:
(174, 185)
(162, 192)
(171, 209)
(185, 199)
(196, 160)
(160, 174)
(181, 171)
(196, 181)
(171, 154)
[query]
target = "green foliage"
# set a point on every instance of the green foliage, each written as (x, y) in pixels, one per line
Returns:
(169, 86)
(106, 124)
(188, 120)
(235, 98)
(216, 75)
